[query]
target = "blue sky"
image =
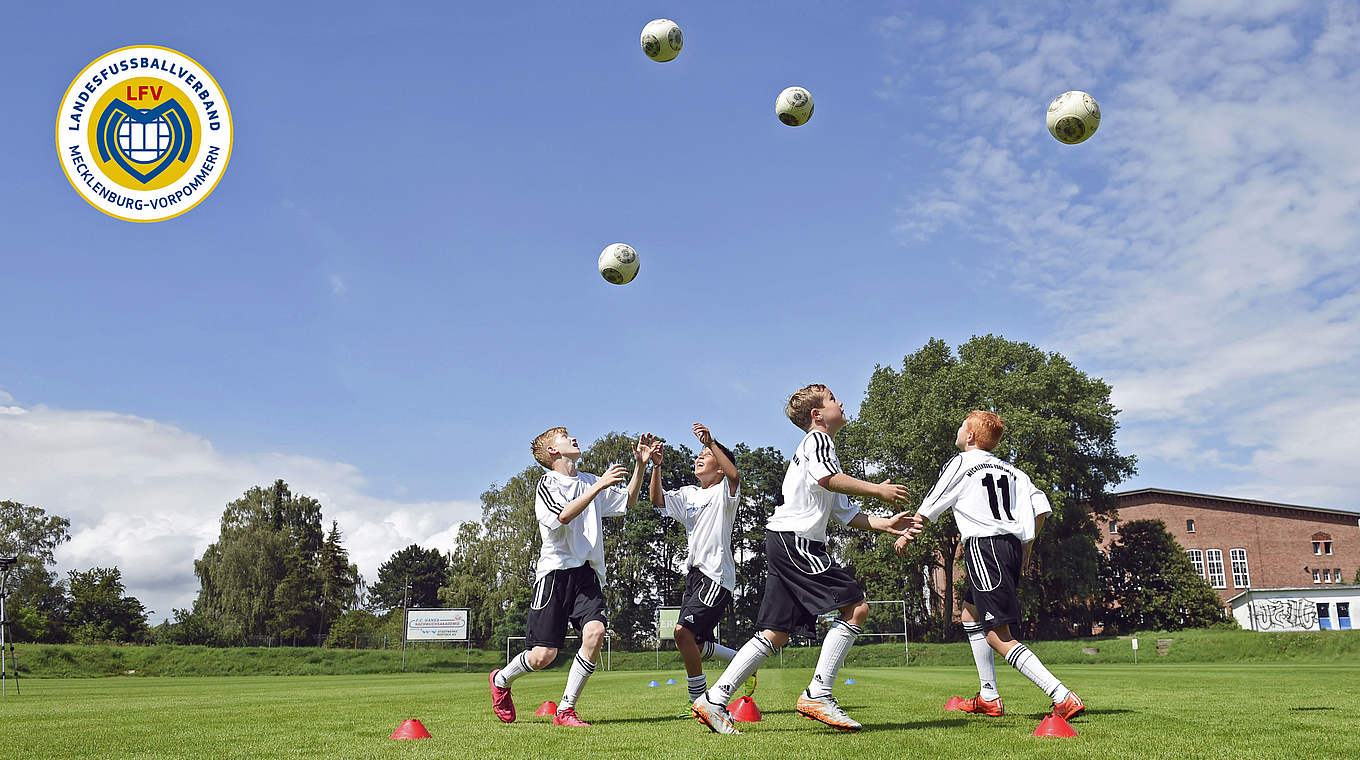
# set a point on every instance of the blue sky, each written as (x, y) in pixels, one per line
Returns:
(393, 288)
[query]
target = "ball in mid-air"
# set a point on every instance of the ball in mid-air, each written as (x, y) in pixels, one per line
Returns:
(1073, 117)
(662, 40)
(619, 263)
(794, 106)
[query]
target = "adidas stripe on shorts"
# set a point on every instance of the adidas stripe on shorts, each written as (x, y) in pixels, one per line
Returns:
(993, 571)
(801, 582)
(702, 605)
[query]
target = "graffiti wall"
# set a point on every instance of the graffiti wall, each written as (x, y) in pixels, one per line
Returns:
(1284, 614)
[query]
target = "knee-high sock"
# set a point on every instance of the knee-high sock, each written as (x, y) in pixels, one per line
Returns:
(714, 650)
(835, 647)
(744, 663)
(1029, 665)
(518, 666)
(983, 659)
(697, 686)
(581, 668)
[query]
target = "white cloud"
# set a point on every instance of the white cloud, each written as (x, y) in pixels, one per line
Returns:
(147, 497)
(337, 285)
(1199, 251)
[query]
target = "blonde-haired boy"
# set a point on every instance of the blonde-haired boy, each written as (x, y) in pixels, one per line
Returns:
(569, 506)
(802, 580)
(999, 512)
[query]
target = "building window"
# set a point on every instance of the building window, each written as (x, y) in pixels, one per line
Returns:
(1189, 526)
(1343, 615)
(1213, 561)
(1326, 575)
(1317, 576)
(1326, 547)
(1322, 547)
(1324, 610)
(1114, 527)
(1197, 561)
(1317, 548)
(1241, 577)
(1336, 575)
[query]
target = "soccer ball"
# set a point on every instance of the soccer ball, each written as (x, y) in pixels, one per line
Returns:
(662, 40)
(1073, 116)
(794, 106)
(619, 263)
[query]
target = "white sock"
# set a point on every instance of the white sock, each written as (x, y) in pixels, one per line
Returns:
(983, 659)
(835, 647)
(1029, 666)
(518, 666)
(697, 686)
(746, 661)
(713, 649)
(581, 668)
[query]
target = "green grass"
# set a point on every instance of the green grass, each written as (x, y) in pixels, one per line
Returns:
(1199, 646)
(1147, 711)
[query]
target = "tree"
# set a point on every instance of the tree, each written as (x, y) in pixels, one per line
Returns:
(762, 487)
(37, 600)
(337, 580)
(1060, 429)
(1151, 585)
(492, 564)
(100, 611)
(271, 572)
(642, 549)
(425, 569)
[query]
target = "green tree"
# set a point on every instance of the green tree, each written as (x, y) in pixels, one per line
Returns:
(337, 581)
(1060, 428)
(37, 598)
(186, 627)
(492, 564)
(640, 557)
(264, 575)
(1150, 584)
(425, 569)
(762, 486)
(99, 610)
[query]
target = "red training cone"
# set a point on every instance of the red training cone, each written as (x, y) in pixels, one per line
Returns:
(1054, 725)
(953, 703)
(744, 710)
(410, 729)
(547, 708)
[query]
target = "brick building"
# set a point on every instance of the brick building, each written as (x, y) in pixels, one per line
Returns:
(1238, 544)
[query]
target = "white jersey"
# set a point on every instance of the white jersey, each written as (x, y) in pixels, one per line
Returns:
(989, 496)
(707, 514)
(807, 505)
(582, 540)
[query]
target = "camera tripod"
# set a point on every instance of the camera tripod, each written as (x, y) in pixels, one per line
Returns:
(6, 633)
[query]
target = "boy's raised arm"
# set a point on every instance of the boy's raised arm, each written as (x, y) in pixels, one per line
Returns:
(728, 467)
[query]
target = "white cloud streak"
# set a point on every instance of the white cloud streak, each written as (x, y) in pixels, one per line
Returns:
(1199, 251)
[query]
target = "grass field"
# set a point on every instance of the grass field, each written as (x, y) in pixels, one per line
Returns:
(1146, 711)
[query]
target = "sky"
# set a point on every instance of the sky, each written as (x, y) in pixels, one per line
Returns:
(393, 287)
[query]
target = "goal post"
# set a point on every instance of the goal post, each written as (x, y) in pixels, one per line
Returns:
(887, 612)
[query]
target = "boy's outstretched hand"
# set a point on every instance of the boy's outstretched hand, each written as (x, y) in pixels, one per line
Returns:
(612, 476)
(646, 448)
(913, 529)
(893, 493)
(701, 432)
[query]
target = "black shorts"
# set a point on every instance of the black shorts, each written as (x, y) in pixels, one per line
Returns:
(702, 604)
(993, 571)
(560, 596)
(801, 582)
